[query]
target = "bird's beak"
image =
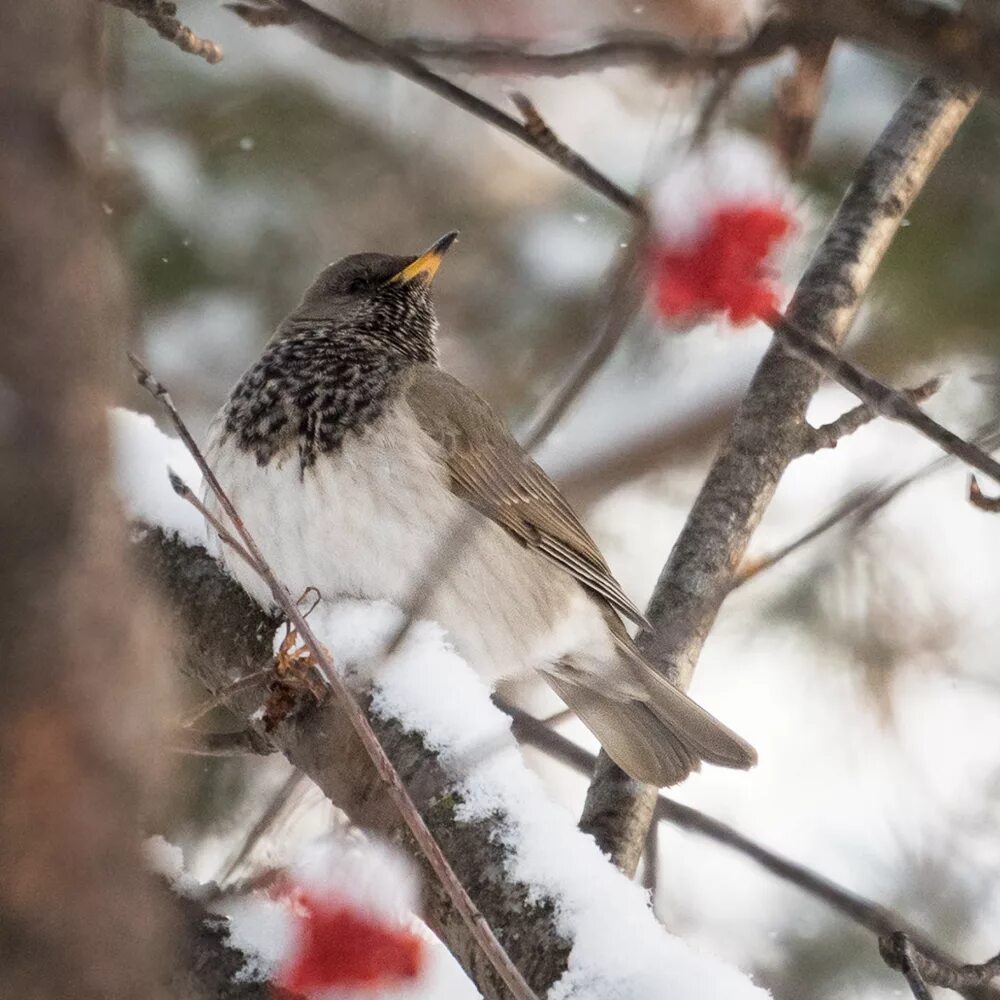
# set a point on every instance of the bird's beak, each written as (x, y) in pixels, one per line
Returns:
(425, 266)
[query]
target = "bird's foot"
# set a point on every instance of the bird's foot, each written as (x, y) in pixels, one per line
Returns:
(295, 675)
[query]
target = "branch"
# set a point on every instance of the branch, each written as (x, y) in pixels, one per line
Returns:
(898, 952)
(235, 744)
(225, 635)
(339, 39)
(880, 398)
(947, 41)
(861, 506)
(829, 435)
(936, 964)
(798, 102)
(961, 45)
(652, 51)
(205, 965)
(767, 433)
(160, 15)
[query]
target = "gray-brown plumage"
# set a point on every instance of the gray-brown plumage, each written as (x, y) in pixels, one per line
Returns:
(352, 457)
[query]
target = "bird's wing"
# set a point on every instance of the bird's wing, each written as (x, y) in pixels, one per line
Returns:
(493, 473)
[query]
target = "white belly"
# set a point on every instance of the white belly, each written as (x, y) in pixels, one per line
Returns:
(367, 522)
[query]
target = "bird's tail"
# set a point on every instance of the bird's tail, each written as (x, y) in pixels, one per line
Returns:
(650, 729)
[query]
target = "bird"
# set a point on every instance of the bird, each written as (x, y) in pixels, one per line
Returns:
(353, 457)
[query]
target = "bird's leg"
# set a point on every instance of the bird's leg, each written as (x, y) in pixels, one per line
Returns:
(294, 674)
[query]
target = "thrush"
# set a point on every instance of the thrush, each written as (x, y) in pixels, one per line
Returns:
(353, 458)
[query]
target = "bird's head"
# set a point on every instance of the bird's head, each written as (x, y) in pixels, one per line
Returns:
(381, 296)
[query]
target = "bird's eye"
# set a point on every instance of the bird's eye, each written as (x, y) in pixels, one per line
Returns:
(357, 285)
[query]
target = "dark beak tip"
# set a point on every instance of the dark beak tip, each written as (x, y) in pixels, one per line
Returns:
(445, 241)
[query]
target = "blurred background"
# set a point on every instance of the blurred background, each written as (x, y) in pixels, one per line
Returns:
(865, 667)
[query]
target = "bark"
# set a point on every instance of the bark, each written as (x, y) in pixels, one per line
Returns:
(770, 428)
(78, 914)
(226, 635)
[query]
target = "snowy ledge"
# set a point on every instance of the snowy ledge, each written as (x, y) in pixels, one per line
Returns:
(575, 926)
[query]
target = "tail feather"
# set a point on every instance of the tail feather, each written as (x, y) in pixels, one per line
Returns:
(650, 729)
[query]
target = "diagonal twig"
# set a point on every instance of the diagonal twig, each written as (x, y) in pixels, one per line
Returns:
(877, 396)
(339, 39)
(829, 435)
(480, 930)
(160, 15)
(238, 743)
(222, 695)
(860, 505)
(653, 51)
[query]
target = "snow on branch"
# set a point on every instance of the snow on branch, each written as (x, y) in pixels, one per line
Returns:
(575, 926)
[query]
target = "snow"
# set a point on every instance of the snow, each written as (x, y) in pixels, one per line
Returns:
(142, 456)
(620, 951)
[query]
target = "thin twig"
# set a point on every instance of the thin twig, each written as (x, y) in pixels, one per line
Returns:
(979, 499)
(186, 493)
(341, 40)
(624, 300)
(480, 930)
(860, 505)
(160, 16)
(905, 959)
(653, 51)
(295, 781)
(719, 93)
(223, 694)
(239, 743)
(874, 917)
(798, 101)
(877, 396)
(951, 42)
(899, 952)
(829, 435)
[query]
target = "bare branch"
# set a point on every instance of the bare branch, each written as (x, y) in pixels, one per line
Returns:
(235, 744)
(878, 397)
(622, 303)
(652, 51)
(477, 925)
(767, 433)
(290, 787)
(225, 634)
(898, 951)
(224, 694)
(959, 44)
(937, 965)
(829, 435)
(861, 506)
(160, 15)
(978, 499)
(339, 39)
(798, 102)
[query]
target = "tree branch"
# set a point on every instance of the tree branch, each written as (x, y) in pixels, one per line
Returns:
(341, 40)
(829, 435)
(160, 15)
(767, 432)
(652, 51)
(898, 952)
(958, 44)
(936, 964)
(225, 635)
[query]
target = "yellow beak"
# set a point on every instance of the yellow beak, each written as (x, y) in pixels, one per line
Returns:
(426, 265)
